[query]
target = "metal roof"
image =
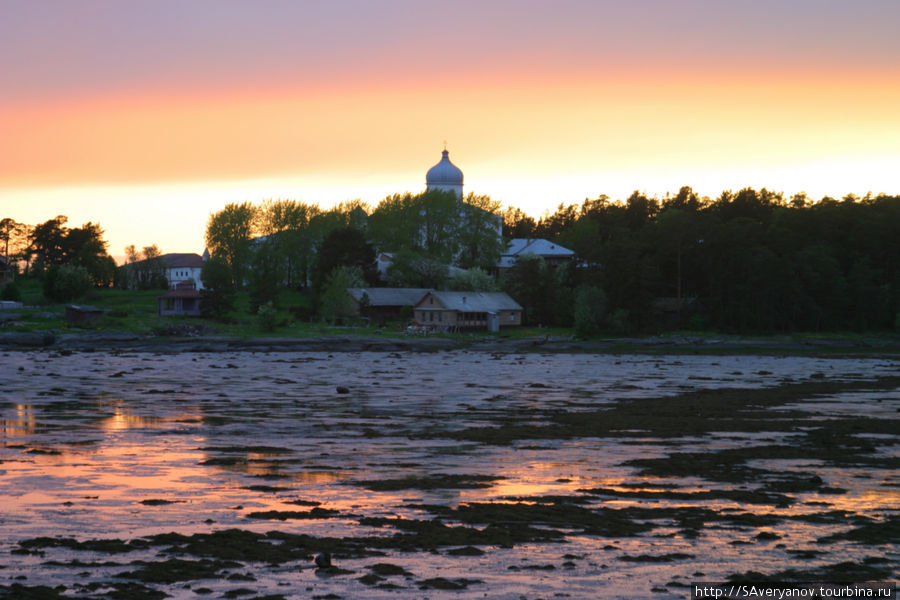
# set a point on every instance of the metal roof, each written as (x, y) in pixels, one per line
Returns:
(538, 246)
(444, 173)
(489, 302)
(383, 296)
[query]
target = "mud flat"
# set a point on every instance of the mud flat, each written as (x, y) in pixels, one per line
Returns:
(885, 345)
(455, 474)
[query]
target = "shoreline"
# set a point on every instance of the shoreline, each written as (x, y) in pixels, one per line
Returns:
(887, 344)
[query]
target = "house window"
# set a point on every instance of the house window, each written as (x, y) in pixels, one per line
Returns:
(512, 316)
(440, 317)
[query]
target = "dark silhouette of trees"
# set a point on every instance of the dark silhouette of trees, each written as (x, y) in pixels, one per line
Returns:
(13, 237)
(345, 247)
(51, 243)
(753, 260)
(144, 269)
(228, 235)
(218, 288)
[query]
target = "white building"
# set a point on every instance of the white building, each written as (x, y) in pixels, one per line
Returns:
(551, 252)
(184, 268)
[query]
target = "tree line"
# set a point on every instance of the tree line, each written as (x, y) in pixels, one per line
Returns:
(746, 261)
(751, 261)
(285, 243)
(68, 260)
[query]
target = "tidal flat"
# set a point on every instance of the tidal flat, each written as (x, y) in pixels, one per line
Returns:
(454, 474)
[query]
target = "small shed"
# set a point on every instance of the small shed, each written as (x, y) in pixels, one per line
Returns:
(183, 299)
(468, 310)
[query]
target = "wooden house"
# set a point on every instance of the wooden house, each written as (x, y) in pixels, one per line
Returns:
(385, 303)
(454, 311)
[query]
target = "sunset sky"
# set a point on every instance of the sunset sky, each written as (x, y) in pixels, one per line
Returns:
(148, 115)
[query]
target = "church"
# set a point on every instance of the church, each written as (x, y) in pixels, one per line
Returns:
(447, 177)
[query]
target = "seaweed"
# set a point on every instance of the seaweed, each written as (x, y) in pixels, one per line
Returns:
(430, 482)
(283, 515)
(176, 569)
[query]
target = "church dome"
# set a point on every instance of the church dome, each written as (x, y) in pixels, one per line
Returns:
(444, 175)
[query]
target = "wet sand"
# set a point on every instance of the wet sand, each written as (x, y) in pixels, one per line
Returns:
(463, 473)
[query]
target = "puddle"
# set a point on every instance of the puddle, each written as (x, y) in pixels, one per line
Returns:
(452, 474)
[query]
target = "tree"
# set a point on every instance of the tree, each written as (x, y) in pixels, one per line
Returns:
(345, 247)
(334, 301)
(517, 224)
(411, 269)
(47, 244)
(86, 248)
(145, 269)
(267, 271)
(13, 237)
(393, 225)
(285, 224)
(228, 234)
(64, 283)
(218, 288)
(472, 280)
(52, 243)
(479, 237)
(530, 282)
(590, 309)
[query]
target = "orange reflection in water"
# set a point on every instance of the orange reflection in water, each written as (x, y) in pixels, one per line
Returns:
(122, 420)
(866, 502)
(22, 423)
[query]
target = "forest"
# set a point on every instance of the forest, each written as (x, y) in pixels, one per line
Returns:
(744, 262)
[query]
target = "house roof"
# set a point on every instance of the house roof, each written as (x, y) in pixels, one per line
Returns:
(183, 260)
(383, 296)
(541, 247)
(489, 302)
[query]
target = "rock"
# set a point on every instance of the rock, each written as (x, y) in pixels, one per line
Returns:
(323, 560)
(33, 339)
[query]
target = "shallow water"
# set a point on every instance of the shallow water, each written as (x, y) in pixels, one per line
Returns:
(128, 445)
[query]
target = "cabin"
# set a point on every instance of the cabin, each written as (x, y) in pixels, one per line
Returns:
(386, 304)
(182, 300)
(456, 311)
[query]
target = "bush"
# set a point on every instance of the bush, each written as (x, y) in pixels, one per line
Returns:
(335, 302)
(11, 292)
(590, 307)
(66, 283)
(268, 317)
(619, 321)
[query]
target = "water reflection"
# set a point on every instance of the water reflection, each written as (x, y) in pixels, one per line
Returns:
(161, 448)
(23, 422)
